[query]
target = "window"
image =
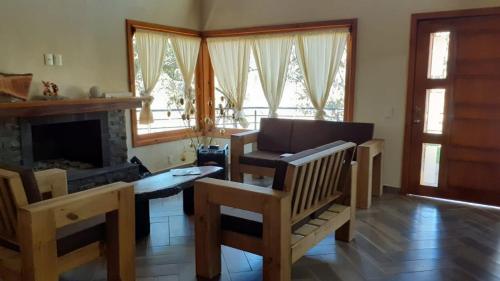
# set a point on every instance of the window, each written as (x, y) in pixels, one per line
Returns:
(211, 109)
(168, 103)
(429, 171)
(434, 111)
(171, 118)
(438, 55)
(295, 102)
(255, 105)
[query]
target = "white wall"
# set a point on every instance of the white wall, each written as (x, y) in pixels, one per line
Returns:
(382, 57)
(90, 34)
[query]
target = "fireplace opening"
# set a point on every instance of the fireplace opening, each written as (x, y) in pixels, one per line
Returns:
(69, 142)
(67, 145)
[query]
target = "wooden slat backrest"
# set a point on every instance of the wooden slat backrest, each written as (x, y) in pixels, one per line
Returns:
(317, 179)
(12, 197)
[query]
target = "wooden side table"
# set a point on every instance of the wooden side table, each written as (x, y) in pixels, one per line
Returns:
(369, 158)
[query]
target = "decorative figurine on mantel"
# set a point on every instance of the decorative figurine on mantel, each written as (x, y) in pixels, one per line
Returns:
(96, 93)
(50, 89)
(50, 92)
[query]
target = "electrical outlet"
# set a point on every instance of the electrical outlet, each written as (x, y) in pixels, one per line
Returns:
(169, 159)
(49, 59)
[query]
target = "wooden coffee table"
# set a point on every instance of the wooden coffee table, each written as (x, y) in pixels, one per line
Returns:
(164, 185)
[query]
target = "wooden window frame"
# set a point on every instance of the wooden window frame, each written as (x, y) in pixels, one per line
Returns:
(153, 138)
(205, 74)
(351, 24)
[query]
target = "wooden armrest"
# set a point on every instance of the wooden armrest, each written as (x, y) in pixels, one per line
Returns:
(79, 206)
(353, 182)
(306, 159)
(369, 157)
(245, 137)
(38, 224)
(375, 146)
(53, 181)
(237, 195)
(238, 142)
(274, 207)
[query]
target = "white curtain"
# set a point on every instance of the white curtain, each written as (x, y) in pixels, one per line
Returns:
(151, 48)
(319, 55)
(230, 58)
(186, 50)
(272, 55)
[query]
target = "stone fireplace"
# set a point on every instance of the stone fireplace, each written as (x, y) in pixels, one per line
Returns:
(90, 146)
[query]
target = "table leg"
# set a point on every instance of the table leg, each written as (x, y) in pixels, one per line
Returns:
(142, 222)
(188, 201)
(188, 194)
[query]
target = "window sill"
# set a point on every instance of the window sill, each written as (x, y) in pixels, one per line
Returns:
(227, 134)
(156, 138)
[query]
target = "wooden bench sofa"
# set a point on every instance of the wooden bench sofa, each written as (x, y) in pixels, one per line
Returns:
(283, 136)
(313, 194)
(41, 239)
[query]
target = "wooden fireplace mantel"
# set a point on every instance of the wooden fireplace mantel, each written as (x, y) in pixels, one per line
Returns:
(69, 106)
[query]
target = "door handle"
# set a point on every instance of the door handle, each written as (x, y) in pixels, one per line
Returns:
(416, 115)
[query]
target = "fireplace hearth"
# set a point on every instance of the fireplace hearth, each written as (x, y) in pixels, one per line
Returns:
(62, 163)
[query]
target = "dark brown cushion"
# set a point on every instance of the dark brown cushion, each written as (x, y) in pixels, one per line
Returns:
(307, 134)
(274, 135)
(246, 222)
(29, 181)
(282, 164)
(74, 236)
(260, 158)
(241, 221)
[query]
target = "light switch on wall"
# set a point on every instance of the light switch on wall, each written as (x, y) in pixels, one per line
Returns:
(58, 61)
(49, 59)
(389, 114)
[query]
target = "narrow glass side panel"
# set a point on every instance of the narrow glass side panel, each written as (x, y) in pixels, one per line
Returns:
(429, 172)
(434, 111)
(438, 55)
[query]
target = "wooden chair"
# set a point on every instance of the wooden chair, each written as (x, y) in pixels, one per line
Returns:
(39, 241)
(297, 213)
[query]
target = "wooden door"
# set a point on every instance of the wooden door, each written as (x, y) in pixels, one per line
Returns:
(454, 124)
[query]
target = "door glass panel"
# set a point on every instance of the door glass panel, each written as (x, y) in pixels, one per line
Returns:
(429, 172)
(438, 55)
(434, 111)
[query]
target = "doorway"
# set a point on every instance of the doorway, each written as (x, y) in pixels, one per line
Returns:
(452, 137)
